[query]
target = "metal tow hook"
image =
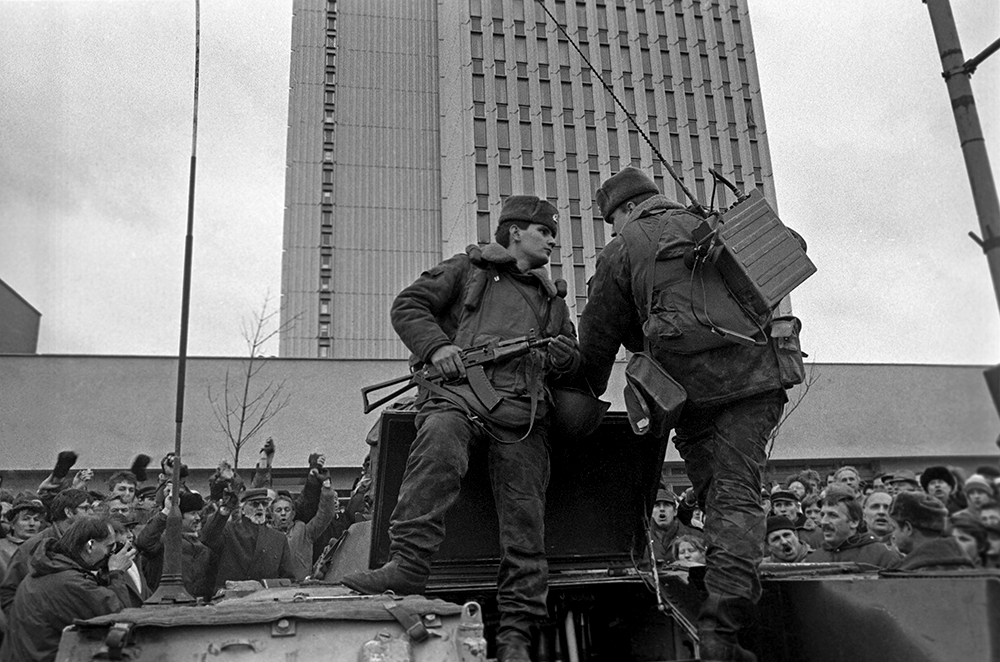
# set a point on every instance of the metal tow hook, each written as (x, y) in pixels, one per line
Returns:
(470, 637)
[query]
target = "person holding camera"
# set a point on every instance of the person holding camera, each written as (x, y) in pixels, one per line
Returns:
(79, 576)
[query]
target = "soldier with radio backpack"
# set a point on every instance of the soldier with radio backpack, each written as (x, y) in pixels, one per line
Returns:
(705, 364)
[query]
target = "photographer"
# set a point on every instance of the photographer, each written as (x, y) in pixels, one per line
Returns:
(63, 587)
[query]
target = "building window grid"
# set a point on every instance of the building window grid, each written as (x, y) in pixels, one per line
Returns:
(651, 114)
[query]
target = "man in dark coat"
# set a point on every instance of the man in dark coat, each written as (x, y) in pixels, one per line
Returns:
(197, 564)
(919, 533)
(500, 293)
(63, 586)
(840, 519)
(735, 396)
(247, 548)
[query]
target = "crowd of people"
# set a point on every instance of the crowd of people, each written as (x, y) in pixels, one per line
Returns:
(720, 387)
(898, 521)
(70, 551)
(73, 550)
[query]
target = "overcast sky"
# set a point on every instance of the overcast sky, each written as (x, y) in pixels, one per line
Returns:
(95, 142)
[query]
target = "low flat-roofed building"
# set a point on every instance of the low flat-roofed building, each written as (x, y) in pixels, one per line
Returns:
(110, 408)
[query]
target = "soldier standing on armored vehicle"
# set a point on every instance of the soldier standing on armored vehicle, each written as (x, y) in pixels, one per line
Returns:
(735, 392)
(500, 293)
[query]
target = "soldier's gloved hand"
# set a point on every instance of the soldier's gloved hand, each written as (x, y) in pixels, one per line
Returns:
(563, 351)
(448, 361)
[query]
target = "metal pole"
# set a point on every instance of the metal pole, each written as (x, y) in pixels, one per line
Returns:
(970, 133)
(171, 589)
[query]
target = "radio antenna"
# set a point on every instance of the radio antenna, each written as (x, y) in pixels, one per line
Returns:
(697, 207)
(171, 589)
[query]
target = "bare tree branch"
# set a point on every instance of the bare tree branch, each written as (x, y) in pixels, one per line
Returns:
(811, 378)
(247, 404)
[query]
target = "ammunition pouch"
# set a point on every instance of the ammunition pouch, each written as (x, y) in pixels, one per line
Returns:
(653, 399)
(785, 335)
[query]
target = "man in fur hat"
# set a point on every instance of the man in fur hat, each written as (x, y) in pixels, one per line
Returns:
(499, 293)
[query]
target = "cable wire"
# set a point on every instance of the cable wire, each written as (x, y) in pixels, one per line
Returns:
(698, 208)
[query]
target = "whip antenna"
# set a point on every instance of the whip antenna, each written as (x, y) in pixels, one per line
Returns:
(171, 589)
(694, 201)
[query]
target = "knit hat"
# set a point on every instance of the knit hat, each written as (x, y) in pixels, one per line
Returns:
(531, 209)
(619, 189)
(936, 473)
(192, 501)
(666, 495)
(977, 482)
(922, 511)
(784, 495)
(779, 523)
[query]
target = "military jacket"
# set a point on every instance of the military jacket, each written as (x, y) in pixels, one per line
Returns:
(618, 307)
(469, 303)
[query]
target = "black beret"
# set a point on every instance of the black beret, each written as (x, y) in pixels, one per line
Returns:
(621, 188)
(531, 209)
(921, 510)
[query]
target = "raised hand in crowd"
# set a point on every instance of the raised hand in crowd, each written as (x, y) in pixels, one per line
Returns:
(82, 478)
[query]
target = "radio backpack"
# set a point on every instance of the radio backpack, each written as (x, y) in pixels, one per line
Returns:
(689, 308)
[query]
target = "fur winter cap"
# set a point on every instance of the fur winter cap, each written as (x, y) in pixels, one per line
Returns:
(620, 188)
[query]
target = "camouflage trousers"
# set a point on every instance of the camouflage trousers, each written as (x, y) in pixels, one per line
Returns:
(724, 449)
(519, 475)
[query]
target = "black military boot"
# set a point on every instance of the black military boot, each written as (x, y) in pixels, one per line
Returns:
(514, 638)
(719, 621)
(393, 576)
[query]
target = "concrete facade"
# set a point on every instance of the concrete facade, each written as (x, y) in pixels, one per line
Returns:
(109, 408)
(409, 122)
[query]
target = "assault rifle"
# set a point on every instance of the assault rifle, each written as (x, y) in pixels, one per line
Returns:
(473, 358)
